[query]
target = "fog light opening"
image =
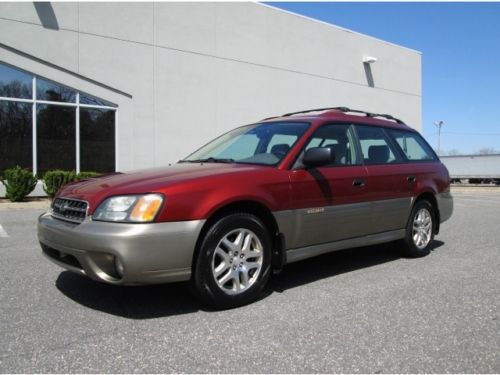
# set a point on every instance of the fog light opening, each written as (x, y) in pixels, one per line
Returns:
(119, 267)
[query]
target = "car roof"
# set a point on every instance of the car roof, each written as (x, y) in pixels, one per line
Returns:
(342, 114)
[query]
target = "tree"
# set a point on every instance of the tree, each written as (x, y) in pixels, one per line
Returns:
(454, 152)
(487, 151)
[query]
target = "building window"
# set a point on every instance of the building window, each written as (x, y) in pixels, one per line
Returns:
(52, 92)
(15, 83)
(45, 125)
(97, 140)
(16, 134)
(55, 138)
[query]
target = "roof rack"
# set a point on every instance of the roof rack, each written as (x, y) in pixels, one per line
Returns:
(346, 109)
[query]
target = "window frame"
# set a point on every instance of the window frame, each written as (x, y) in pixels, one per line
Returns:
(34, 101)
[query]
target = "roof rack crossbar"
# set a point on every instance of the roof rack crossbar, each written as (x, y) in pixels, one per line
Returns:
(346, 109)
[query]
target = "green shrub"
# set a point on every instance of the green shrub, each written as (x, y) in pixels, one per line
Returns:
(53, 180)
(84, 175)
(18, 183)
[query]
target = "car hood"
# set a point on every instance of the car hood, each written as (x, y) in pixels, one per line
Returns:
(148, 180)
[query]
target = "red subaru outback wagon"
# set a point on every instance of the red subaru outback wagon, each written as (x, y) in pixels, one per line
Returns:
(254, 199)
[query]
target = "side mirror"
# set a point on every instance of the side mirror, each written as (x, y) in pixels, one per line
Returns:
(318, 156)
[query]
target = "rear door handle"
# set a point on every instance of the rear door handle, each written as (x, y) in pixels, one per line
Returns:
(411, 179)
(358, 182)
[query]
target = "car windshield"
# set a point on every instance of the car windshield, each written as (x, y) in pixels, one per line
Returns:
(265, 144)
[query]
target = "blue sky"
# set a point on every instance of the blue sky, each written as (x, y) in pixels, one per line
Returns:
(460, 45)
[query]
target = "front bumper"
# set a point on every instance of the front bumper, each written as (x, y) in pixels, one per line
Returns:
(149, 253)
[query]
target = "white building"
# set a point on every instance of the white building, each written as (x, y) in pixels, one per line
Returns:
(121, 86)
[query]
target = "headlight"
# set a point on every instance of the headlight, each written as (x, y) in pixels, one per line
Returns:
(129, 208)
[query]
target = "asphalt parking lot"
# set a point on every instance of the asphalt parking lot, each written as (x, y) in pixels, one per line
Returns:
(364, 310)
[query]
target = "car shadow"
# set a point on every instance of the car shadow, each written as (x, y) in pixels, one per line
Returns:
(336, 263)
(332, 264)
(133, 302)
(154, 301)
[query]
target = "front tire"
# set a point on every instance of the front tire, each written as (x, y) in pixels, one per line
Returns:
(233, 263)
(420, 230)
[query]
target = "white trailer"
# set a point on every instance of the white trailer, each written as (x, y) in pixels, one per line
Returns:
(476, 169)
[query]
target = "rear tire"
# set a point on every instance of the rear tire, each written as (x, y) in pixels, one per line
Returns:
(420, 230)
(234, 261)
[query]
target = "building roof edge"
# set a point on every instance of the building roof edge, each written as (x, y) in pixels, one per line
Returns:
(338, 27)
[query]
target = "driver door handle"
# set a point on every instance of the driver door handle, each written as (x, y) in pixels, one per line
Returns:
(358, 182)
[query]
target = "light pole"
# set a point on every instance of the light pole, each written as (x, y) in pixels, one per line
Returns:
(439, 125)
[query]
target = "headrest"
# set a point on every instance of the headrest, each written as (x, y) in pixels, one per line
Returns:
(378, 154)
(281, 148)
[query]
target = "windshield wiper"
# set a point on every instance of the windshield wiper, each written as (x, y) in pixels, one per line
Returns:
(208, 160)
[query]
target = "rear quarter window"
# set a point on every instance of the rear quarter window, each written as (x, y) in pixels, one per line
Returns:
(414, 147)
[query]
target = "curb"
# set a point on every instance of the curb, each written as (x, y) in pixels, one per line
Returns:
(30, 205)
(475, 189)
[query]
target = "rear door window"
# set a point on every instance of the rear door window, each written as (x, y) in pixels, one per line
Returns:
(376, 148)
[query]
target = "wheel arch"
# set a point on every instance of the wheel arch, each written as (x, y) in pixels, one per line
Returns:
(255, 208)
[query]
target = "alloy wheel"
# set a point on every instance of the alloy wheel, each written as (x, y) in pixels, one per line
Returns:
(237, 261)
(422, 228)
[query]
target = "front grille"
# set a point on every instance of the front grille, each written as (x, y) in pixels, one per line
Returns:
(69, 209)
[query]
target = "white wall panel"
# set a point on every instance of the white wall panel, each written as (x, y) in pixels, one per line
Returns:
(131, 21)
(186, 26)
(59, 47)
